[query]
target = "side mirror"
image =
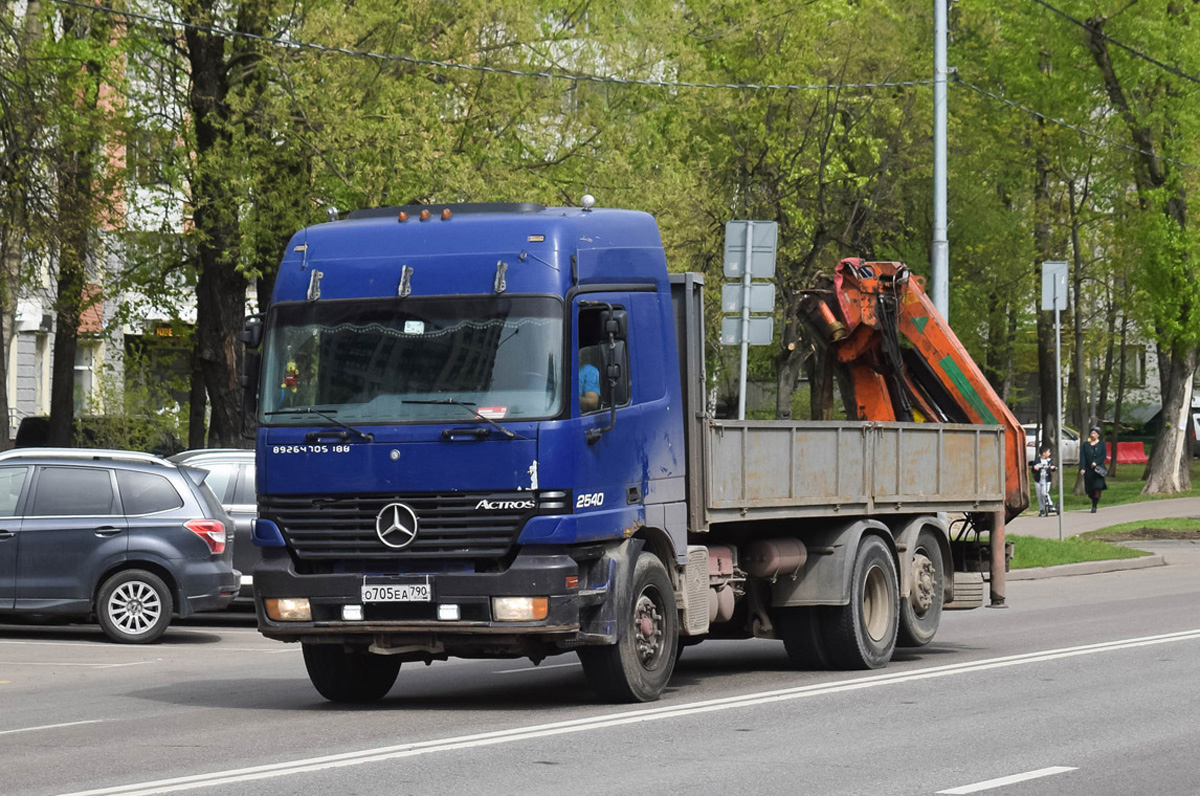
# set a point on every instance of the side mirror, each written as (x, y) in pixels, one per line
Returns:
(251, 365)
(615, 324)
(252, 332)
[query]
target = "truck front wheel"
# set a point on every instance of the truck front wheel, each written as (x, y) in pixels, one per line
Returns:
(921, 613)
(638, 667)
(348, 674)
(862, 634)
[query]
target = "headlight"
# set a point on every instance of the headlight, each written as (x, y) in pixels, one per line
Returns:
(520, 609)
(289, 609)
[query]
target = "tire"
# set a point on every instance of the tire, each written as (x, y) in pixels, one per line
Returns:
(921, 612)
(638, 667)
(800, 629)
(862, 633)
(349, 674)
(134, 607)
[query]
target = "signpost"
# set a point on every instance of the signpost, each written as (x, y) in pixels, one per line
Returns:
(1054, 297)
(749, 253)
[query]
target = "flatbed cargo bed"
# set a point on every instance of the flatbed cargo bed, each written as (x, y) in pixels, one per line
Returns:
(779, 469)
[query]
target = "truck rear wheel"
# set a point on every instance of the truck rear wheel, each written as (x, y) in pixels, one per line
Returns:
(638, 667)
(347, 674)
(800, 629)
(921, 612)
(862, 634)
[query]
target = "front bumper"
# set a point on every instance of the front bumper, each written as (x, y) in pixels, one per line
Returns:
(535, 572)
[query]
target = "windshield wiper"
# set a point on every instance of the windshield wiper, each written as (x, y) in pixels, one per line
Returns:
(470, 407)
(308, 410)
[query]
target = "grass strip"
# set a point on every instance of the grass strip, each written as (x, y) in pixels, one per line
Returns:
(1141, 530)
(1031, 551)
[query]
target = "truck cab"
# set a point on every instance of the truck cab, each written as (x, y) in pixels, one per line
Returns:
(469, 426)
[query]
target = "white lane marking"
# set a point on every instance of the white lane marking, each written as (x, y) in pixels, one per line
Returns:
(52, 726)
(635, 716)
(89, 665)
(97, 644)
(1000, 782)
(539, 668)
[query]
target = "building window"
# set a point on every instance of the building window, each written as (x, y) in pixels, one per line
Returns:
(85, 375)
(1135, 366)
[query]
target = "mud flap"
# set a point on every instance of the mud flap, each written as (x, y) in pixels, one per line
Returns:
(612, 573)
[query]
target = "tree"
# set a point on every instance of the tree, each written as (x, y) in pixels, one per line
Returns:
(1154, 107)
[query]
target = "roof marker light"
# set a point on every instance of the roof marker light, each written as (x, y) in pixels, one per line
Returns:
(402, 217)
(446, 214)
(425, 215)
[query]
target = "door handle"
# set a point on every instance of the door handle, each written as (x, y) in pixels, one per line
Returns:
(6, 535)
(106, 531)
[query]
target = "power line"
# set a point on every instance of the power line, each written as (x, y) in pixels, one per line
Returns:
(582, 78)
(1136, 53)
(1062, 123)
(549, 75)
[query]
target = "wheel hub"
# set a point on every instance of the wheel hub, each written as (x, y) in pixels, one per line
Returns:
(648, 629)
(921, 595)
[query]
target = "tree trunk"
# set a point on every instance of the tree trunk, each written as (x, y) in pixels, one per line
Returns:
(1170, 470)
(10, 285)
(820, 379)
(1109, 350)
(789, 364)
(75, 184)
(197, 403)
(220, 288)
(1116, 426)
(1081, 391)
(998, 363)
(1048, 374)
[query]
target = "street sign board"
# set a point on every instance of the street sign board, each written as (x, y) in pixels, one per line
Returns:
(1054, 285)
(762, 248)
(762, 297)
(762, 330)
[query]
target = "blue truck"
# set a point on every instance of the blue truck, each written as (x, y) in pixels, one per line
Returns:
(483, 434)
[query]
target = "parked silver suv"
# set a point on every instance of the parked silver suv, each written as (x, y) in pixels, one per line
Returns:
(231, 477)
(126, 538)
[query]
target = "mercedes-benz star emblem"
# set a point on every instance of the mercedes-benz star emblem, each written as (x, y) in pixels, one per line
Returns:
(396, 525)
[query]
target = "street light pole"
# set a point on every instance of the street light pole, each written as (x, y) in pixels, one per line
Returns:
(940, 254)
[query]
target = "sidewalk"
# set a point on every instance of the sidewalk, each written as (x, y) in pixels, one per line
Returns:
(1076, 522)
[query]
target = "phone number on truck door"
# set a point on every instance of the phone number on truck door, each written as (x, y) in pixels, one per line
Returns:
(310, 449)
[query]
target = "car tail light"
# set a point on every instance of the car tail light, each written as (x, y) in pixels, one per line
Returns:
(211, 531)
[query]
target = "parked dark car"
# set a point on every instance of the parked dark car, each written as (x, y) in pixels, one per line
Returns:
(231, 477)
(126, 538)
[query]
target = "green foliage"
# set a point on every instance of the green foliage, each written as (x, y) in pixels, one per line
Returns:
(845, 171)
(141, 409)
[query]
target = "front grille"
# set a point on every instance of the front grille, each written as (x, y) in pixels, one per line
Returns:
(342, 528)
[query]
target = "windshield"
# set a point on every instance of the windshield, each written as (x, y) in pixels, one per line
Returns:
(413, 360)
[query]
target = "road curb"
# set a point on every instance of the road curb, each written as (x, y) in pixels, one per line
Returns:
(1086, 568)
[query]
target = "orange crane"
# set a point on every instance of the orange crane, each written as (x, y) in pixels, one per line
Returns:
(863, 313)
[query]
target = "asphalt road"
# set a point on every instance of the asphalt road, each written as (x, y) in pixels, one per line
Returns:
(1083, 685)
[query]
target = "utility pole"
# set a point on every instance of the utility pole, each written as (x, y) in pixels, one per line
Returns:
(940, 254)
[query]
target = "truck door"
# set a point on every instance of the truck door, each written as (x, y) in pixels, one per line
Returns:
(70, 532)
(12, 483)
(609, 462)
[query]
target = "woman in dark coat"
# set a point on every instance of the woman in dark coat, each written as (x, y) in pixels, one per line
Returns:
(1092, 454)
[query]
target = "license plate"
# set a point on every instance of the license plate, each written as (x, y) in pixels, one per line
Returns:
(396, 593)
